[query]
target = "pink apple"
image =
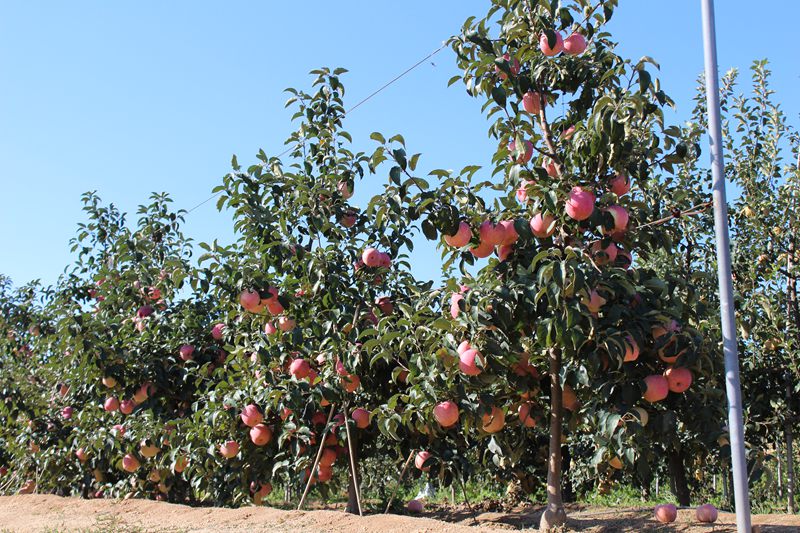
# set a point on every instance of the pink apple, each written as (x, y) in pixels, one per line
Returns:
(446, 413)
(504, 252)
(145, 311)
(468, 362)
(371, 257)
(461, 237)
(551, 168)
(415, 506)
(270, 329)
(348, 219)
(594, 302)
(344, 189)
(361, 417)
(130, 463)
(81, 454)
(620, 184)
(299, 368)
(67, 412)
(666, 513)
(707, 514)
(544, 45)
(250, 300)
(218, 331)
(463, 347)
(491, 233)
(229, 449)
(524, 155)
(620, 216)
(455, 309)
(111, 404)
(126, 407)
(603, 256)
(510, 234)
(532, 102)
(513, 67)
(580, 204)
(419, 460)
(679, 379)
(251, 415)
(484, 249)
(657, 388)
(186, 352)
(286, 324)
(575, 44)
(543, 226)
(522, 191)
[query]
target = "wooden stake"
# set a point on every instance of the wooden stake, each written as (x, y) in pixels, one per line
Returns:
(352, 461)
(399, 481)
(316, 461)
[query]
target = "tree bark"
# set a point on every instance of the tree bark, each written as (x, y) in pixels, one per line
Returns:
(677, 472)
(789, 451)
(554, 515)
(352, 498)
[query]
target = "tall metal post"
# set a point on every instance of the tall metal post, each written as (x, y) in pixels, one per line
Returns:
(732, 385)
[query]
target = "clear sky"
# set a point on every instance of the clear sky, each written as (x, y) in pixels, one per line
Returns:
(131, 97)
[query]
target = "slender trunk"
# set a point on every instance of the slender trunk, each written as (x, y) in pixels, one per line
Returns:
(677, 472)
(780, 468)
(554, 515)
(352, 496)
(789, 451)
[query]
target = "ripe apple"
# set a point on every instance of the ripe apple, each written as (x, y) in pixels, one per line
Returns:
(260, 434)
(679, 379)
(109, 382)
(217, 331)
(575, 44)
(594, 302)
(419, 460)
(513, 67)
(463, 347)
(523, 155)
(229, 449)
(299, 368)
(130, 463)
(371, 257)
(522, 191)
(111, 404)
(580, 204)
(524, 413)
(707, 513)
(126, 407)
(543, 226)
(270, 329)
(666, 513)
(615, 463)
(361, 417)
(328, 456)
(446, 413)
(544, 45)
(467, 362)
(148, 450)
(348, 219)
(461, 237)
(631, 349)
(415, 506)
(67, 412)
(620, 184)
(351, 382)
(603, 256)
(532, 102)
(180, 464)
(344, 189)
(484, 249)
(250, 300)
(504, 252)
(81, 454)
(657, 388)
(620, 216)
(385, 304)
(510, 234)
(491, 233)
(186, 352)
(493, 421)
(286, 324)
(251, 415)
(145, 311)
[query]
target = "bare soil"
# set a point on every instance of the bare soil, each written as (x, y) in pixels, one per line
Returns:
(53, 513)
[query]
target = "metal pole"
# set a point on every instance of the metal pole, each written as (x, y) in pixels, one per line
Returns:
(732, 385)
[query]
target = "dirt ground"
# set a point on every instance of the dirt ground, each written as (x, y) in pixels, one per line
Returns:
(53, 513)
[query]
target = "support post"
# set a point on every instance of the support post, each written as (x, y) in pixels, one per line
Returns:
(732, 384)
(316, 461)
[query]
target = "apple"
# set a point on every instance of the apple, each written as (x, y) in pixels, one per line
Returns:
(575, 44)
(580, 204)
(603, 256)
(251, 415)
(484, 249)
(620, 184)
(657, 388)
(119, 429)
(180, 464)
(286, 324)
(351, 382)
(594, 302)
(504, 251)
(491, 233)
(109, 382)
(361, 417)
(260, 434)
(523, 155)
(130, 463)
(532, 102)
(229, 449)
(186, 352)
(419, 460)
(126, 407)
(544, 44)
(522, 191)
(81, 454)
(328, 456)
(217, 331)
(551, 168)
(524, 413)
(270, 329)
(299, 368)
(666, 513)
(348, 219)
(249, 300)
(461, 236)
(145, 311)
(620, 216)
(707, 513)
(446, 413)
(148, 450)
(542, 226)
(679, 379)
(111, 404)
(493, 421)
(513, 67)
(631, 349)
(510, 235)
(67, 412)
(344, 189)
(415, 506)
(142, 393)
(385, 304)
(463, 347)
(371, 257)
(467, 362)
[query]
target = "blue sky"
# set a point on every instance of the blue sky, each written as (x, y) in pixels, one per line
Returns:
(129, 98)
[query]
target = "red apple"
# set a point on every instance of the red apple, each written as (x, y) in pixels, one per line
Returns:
(371, 257)
(580, 204)
(620, 184)
(361, 417)
(130, 463)
(707, 513)
(510, 234)
(217, 331)
(229, 449)
(126, 407)
(467, 362)
(657, 388)
(523, 155)
(260, 434)
(620, 216)
(631, 349)
(542, 226)
(461, 237)
(446, 413)
(532, 102)
(299, 368)
(493, 421)
(419, 460)
(186, 352)
(525, 416)
(575, 44)
(251, 415)
(250, 300)
(666, 513)
(679, 379)
(484, 249)
(513, 67)
(111, 404)
(286, 324)
(415, 506)
(544, 45)
(67, 412)
(344, 189)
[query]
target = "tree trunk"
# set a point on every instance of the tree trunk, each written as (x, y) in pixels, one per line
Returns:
(780, 468)
(677, 472)
(352, 501)
(789, 450)
(554, 515)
